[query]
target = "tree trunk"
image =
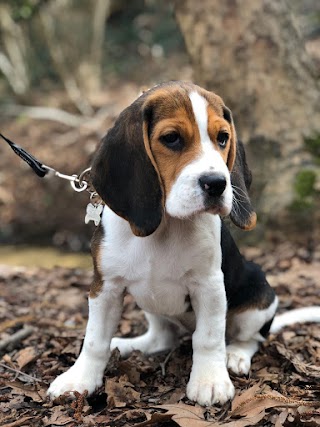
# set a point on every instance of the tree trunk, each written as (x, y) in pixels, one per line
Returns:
(250, 53)
(13, 59)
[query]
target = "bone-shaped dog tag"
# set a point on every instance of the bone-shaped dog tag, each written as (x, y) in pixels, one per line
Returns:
(93, 213)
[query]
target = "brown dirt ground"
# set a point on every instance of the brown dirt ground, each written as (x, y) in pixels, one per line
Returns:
(283, 388)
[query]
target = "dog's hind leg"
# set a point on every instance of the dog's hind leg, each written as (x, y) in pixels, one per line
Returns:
(245, 330)
(161, 335)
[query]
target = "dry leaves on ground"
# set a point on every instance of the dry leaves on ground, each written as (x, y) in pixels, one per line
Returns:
(283, 388)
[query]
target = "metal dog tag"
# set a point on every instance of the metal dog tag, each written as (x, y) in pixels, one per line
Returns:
(93, 213)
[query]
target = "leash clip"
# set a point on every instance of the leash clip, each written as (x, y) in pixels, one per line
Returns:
(77, 183)
(80, 184)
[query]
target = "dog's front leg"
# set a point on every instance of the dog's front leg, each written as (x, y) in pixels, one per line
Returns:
(209, 380)
(87, 372)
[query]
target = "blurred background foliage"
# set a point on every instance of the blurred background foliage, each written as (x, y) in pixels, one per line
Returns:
(81, 43)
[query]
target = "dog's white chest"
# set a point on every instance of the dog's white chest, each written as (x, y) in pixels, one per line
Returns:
(158, 270)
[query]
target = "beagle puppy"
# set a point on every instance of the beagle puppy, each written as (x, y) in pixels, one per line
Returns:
(167, 170)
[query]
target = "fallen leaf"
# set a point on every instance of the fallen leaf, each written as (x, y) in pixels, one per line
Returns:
(25, 356)
(301, 366)
(281, 418)
(176, 396)
(129, 369)
(120, 392)
(18, 423)
(193, 416)
(58, 418)
(246, 395)
(130, 415)
(244, 422)
(186, 415)
(156, 417)
(36, 393)
(257, 403)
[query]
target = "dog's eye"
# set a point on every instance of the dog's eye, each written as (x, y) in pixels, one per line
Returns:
(222, 138)
(172, 140)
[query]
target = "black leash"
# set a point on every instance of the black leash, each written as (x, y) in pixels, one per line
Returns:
(35, 165)
(79, 182)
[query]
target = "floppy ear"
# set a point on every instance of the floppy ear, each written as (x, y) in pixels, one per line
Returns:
(242, 213)
(123, 174)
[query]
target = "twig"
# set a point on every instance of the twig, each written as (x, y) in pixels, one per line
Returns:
(166, 360)
(45, 113)
(14, 339)
(58, 115)
(13, 322)
(3, 365)
(17, 423)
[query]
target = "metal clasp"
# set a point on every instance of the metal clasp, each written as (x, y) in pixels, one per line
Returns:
(77, 182)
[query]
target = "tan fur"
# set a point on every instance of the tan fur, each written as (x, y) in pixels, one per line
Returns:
(253, 222)
(216, 104)
(170, 163)
(97, 282)
(174, 113)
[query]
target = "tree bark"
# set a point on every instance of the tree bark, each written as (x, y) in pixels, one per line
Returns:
(250, 53)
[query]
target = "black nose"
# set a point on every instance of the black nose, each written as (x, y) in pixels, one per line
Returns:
(212, 184)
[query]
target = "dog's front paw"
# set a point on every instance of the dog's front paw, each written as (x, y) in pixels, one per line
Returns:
(208, 389)
(75, 380)
(239, 356)
(239, 362)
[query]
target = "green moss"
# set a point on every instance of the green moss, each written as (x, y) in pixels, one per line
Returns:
(302, 206)
(304, 188)
(312, 144)
(304, 185)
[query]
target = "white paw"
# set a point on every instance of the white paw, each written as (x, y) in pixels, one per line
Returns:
(75, 380)
(210, 389)
(238, 360)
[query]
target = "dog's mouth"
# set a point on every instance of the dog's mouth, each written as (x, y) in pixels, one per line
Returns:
(216, 207)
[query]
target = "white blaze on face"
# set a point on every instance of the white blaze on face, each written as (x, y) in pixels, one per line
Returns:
(199, 106)
(186, 197)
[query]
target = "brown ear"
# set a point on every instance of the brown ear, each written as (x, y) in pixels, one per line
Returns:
(124, 176)
(242, 213)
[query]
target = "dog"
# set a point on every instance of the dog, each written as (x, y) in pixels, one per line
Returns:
(168, 170)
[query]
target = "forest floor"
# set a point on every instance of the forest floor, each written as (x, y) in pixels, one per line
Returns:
(49, 308)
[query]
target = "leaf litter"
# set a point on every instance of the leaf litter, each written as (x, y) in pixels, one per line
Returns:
(282, 390)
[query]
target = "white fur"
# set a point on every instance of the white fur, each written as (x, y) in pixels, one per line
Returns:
(244, 336)
(304, 314)
(181, 258)
(239, 355)
(246, 325)
(186, 197)
(199, 107)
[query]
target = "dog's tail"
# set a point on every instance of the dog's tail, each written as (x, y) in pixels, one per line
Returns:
(299, 315)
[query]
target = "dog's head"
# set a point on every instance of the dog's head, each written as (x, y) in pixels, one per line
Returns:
(173, 150)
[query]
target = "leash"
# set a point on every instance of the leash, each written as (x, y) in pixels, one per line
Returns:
(78, 183)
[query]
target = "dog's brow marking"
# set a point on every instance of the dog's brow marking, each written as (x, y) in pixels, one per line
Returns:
(199, 106)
